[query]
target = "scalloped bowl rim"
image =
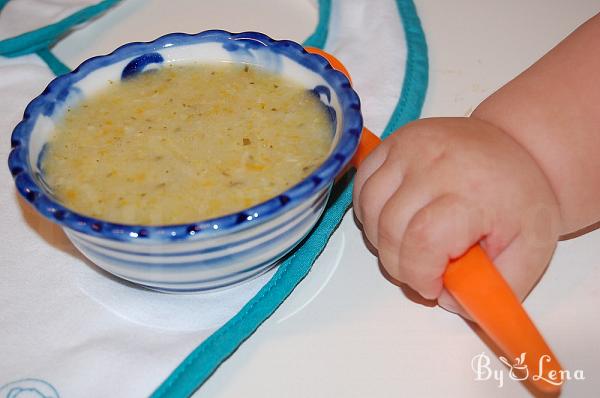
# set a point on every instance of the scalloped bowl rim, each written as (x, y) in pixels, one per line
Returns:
(325, 174)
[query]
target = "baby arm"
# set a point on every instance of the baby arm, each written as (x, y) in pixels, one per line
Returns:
(519, 172)
(553, 110)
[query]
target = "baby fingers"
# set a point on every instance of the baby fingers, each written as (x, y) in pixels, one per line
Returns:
(416, 244)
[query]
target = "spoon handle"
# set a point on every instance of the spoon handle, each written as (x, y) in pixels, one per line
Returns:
(480, 289)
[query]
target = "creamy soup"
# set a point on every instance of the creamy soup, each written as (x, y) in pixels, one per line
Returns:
(186, 143)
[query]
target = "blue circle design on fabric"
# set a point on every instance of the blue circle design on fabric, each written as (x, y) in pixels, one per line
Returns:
(28, 388)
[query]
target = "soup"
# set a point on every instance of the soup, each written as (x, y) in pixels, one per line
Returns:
(186, 143)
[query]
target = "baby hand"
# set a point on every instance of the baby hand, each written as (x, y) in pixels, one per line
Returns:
(438, 186)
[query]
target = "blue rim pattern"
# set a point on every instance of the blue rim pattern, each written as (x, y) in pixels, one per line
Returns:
(33, 191)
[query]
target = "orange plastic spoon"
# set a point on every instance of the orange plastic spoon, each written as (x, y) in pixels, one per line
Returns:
(476, 284)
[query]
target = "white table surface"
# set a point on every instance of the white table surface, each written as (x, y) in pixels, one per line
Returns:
(349, 332)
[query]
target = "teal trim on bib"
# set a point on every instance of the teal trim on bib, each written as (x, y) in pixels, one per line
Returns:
(319, 36)
(206, 358)
(416, 73)
(55, 64)
(44, 38)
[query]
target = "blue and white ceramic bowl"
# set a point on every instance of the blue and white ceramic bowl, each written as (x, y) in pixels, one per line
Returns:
(204, 254)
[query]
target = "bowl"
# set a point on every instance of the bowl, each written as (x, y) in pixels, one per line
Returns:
(202, 254)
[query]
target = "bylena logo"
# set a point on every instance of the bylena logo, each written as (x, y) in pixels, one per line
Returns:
(518, 370)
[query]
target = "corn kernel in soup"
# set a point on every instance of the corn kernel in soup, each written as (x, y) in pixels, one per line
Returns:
(186, 143)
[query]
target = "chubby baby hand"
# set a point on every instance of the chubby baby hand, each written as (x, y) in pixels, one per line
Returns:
(438, 186)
